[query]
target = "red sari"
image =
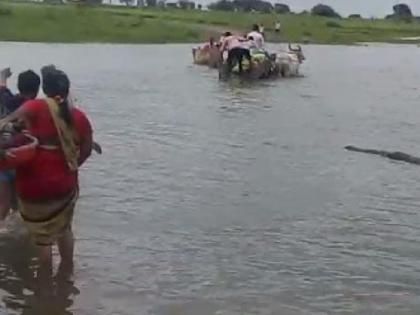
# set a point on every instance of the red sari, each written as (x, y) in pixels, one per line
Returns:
(48, 176)
(47, 186)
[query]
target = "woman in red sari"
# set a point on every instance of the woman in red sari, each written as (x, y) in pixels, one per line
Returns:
(47, 186)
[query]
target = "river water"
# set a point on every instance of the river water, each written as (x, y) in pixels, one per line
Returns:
(229, 198)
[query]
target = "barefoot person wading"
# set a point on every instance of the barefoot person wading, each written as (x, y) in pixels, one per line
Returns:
(47, 186)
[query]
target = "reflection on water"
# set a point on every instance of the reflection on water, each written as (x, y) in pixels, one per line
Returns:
(236, 198)
(21, 293)
(16, 271)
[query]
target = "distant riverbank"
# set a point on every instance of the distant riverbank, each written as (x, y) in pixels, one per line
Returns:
(104, 24)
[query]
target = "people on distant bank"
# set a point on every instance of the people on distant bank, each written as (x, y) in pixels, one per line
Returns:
(277, 27)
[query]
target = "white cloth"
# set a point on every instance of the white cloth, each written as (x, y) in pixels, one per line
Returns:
(258, 39)
(249, 44)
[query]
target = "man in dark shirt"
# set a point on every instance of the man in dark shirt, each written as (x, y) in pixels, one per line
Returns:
(28, 86)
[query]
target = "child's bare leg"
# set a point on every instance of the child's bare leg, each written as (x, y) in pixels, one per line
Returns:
(5, 202)
(44, 274)
(4, 75)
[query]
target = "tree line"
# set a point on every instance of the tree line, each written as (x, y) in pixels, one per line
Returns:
(400, 11)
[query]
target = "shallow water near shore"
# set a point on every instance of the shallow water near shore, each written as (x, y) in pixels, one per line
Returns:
(235, 198)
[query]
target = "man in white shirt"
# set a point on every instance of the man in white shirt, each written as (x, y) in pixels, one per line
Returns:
(256, 35)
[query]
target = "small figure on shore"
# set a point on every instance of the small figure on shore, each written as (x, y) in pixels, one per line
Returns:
(277, 27)
(261, 30)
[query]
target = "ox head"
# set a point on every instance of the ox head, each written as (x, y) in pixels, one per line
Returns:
(298, 52)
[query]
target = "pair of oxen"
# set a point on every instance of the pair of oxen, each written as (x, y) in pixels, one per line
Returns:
(285, 63)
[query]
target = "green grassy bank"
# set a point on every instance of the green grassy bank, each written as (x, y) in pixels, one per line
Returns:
(71, 23)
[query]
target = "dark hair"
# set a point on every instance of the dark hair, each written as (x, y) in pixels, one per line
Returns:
(250, 37)
(28, 83)
(255, 27)
(56, 83)
(226, 34)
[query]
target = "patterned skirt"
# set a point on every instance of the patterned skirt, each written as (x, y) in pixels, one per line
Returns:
(48, 220)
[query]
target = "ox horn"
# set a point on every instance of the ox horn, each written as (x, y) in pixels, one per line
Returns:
(294, 49)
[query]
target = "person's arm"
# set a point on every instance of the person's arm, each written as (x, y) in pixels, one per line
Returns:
(224, 44)
(96, 147)
(6, 96)
(86, 145)
(20, 114)
(4, 75)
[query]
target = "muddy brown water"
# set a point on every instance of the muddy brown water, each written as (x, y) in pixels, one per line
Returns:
(236, 198)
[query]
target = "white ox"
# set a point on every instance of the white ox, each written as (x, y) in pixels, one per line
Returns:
(289, 61)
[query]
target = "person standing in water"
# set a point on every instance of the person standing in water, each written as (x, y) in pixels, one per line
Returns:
(28, 87)
(47, 186)
(236, 51)
(257, 36)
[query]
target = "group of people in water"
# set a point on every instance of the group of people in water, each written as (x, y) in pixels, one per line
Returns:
(238, 47)
(44, 189)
